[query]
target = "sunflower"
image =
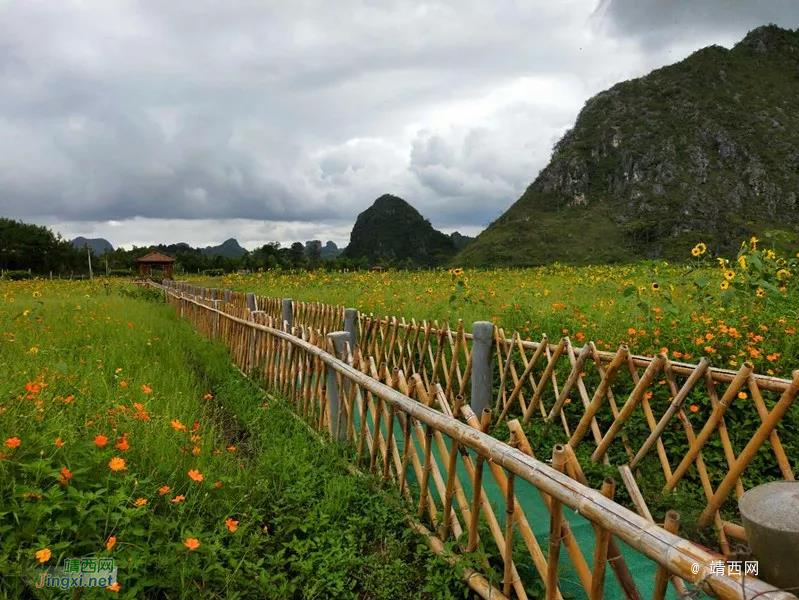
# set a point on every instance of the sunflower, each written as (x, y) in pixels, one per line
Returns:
(783, 274)
(655, 286)
(761, 293)
(724, 284)
(729, 274)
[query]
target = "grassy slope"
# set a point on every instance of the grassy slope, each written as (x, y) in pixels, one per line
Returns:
(306, 527)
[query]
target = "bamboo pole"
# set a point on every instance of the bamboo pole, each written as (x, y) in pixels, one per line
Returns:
(555, 519)
(477, 486)
(510, 504)
(662, 576)
(601, 548)
(428, 447)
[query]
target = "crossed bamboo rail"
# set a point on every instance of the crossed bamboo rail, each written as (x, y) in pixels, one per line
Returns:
(399, 423)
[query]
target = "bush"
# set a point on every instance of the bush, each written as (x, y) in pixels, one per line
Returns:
(17, 275)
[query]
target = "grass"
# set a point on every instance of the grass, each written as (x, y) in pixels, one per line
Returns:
(125, 435)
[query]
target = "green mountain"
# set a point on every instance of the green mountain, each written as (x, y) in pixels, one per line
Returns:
(705, 149)
(230, 248)
(98, 246)
(392, 232)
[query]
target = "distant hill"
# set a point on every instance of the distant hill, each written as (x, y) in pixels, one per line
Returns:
(99, 246)
(230, 248)
(705, 149)
(460, 241)
(330, 250)
(391, 231)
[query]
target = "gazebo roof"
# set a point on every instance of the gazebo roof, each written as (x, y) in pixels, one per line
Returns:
(155, 257)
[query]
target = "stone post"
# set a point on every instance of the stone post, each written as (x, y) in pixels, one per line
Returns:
(338, 430)
(351, 325)
(482, 338)
(287, 313)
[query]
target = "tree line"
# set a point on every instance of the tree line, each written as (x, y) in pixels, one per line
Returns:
(27, 249)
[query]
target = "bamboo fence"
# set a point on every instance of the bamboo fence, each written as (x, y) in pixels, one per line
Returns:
(400, 396)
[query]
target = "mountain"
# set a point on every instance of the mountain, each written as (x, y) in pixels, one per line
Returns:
(459, 240)
(330, 251)
(99, 246)
(391, 231)
(705, 149)
(230, 248)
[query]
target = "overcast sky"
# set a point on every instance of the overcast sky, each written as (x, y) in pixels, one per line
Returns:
(196, 121)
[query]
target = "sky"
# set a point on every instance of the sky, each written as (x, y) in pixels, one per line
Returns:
(198, 120)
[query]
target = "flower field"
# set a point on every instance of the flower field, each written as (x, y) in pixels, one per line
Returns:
(124, 435)
(730, 309)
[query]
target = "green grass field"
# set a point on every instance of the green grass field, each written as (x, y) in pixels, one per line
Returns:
(123, 434)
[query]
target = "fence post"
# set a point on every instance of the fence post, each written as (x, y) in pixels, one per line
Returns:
(227, 294)
(338, 339)
(215, 331)
(253, 333)
(287, 313)
(252, 305)
(351, 325)
(482, 337)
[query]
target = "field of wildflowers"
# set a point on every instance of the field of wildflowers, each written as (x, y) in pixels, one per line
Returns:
(124, 435)
(730, 309)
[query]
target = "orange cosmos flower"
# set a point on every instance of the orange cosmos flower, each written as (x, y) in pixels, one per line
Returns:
(208, 396)
(65, 476)
(13, 442)
(742, 395)
(111, 542)
(232, 525)
(32, 387)
(177, 425)
(178, 499)
(218, 484)
(68, 399)
(146, 389)
(123, 384)
(122, 444)
(196, 475)
(140, 502)
(694, 408)
(100, 441)
(191, 543)
(117, 464)
(114, 588)
(43, 555)
(58, 442)
(163, 490)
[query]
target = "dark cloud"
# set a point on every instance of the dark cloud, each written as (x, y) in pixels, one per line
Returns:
(664, 22)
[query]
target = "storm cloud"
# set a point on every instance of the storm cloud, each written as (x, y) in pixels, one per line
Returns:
(196, 121)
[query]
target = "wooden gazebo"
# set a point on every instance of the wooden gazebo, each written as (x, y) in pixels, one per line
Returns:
(155, 259)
